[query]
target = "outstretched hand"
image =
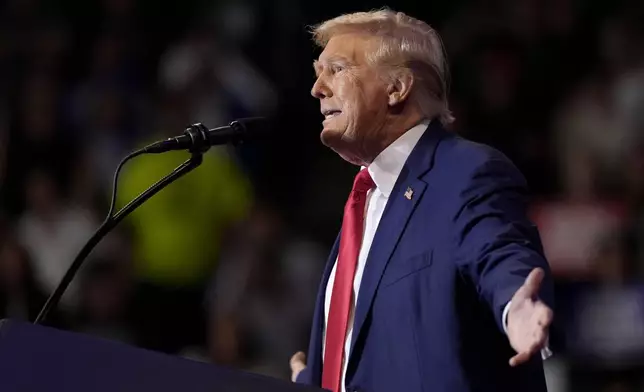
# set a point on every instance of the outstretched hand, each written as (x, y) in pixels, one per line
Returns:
(528, 319)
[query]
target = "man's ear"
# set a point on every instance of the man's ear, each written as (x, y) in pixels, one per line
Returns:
(400, 87)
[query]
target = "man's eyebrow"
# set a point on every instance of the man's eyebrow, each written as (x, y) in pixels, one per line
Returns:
(339, 60)
(317, 64)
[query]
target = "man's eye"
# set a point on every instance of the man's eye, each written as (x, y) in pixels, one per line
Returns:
(336, 68)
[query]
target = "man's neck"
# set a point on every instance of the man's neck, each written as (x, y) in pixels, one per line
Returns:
(394, 129)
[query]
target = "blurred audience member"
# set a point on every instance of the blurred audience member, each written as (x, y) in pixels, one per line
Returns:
(21, 297)
(114, 72)
(109, 137)
(37, 138)
(603, 118)
(53, 231)
(574, 224)
(262, 295)
(214, 76)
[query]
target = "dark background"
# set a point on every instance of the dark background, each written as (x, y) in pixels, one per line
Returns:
(223, 266)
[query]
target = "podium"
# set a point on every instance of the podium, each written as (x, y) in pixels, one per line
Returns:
(37, 358)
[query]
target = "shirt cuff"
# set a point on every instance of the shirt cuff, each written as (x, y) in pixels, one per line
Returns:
(545, 352)
(505, 317)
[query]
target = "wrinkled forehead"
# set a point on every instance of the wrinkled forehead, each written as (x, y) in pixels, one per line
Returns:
(351, 48)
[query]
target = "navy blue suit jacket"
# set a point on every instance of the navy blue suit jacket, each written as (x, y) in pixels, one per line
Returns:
(440, 271)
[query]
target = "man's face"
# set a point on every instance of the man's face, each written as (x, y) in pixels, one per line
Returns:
(353, 98)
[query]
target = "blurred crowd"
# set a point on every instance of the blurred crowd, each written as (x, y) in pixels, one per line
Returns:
(223, 265)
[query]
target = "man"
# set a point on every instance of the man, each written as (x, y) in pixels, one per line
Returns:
(437, 281)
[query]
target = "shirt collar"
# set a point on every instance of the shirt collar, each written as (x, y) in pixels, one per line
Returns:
(386, 168)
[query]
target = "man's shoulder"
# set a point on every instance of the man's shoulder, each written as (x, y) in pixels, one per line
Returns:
(461, 156)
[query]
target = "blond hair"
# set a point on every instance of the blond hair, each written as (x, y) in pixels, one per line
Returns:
(405, 42)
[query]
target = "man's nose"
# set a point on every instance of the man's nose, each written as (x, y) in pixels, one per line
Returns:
(321, 89)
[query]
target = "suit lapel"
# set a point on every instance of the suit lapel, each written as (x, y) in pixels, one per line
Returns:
(391, 226)
(404, 198)
(317, 338)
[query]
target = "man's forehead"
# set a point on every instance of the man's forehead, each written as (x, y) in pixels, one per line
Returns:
(348, 47)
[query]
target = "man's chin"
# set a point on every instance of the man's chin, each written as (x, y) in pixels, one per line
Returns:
(335, 141)
(331, 137)
(351, 159)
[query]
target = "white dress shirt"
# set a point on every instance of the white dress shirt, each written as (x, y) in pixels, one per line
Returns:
(384, 171)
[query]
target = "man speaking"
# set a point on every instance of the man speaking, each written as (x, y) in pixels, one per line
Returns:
(437, 281)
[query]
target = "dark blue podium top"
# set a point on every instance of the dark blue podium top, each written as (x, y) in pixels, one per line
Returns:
(37, 358)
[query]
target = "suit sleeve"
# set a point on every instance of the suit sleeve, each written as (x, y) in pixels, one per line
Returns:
(496, 245)
(304, 377)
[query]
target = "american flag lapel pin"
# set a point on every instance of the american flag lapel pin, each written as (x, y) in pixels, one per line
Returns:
(409, 193)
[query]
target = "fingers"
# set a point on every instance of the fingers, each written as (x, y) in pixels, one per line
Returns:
(540, 339)
(297, 358)
(298, 363)
(519, 359)
(544, 315)
(533, 281)
(532, 284)
(525, 356)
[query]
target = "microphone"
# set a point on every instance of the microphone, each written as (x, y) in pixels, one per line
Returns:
(198, 138)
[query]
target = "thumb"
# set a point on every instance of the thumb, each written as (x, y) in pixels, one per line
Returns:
(533, 282)
(298, 363)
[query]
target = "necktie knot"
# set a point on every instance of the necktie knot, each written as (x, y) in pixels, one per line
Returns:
(363, 182)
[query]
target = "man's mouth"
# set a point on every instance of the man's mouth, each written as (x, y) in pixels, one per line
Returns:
(330, 113)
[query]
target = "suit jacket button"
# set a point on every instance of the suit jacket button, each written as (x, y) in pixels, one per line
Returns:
(353, 389)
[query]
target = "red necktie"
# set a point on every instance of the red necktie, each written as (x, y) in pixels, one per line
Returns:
(338, 319)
